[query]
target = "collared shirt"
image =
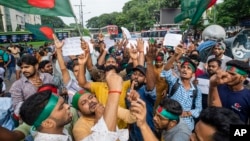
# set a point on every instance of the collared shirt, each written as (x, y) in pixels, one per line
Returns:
(83, 125)
(184, 97)
(100, 89)
(100, 132)
(38, 136)
(22, 88)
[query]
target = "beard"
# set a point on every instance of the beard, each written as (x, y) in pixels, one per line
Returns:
(138, 86)
(111, 67)
(29, 74)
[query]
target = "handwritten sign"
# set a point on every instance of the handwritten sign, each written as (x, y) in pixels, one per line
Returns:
(172, 39)
(72, 46)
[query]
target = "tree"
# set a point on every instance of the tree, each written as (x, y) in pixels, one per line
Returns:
(231, 11)
(56, 22)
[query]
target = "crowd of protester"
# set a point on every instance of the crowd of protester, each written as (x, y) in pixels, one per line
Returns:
(123, 93)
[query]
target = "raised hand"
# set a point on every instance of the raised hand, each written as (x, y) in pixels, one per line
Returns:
(221, 77)
(138, 109)
(100, 37)
(82, 59)
(85, 46)
(57, 42)
(140, 45)
(151, 53)
(133, 52)
(179, 50)
(114, 81)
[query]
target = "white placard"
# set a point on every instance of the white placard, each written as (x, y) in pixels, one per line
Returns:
(203, 84)
(172, 39)
(72, 46)
(126, 32)
(109, 43)
(134, 43)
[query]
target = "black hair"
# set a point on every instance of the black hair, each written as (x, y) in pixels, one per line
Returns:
(27, 59)
(239, 64)
(194, 57)
(43, 63)
(214, 60)
(33, 106)
(41, 53)
(187, 59)
(195, 51)
(220, 118)
(171, 106)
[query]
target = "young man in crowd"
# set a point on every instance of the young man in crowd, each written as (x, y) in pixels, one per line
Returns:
(186, 94)
(166, 119)
(28, 84)
(203, 80)
(218, 53)
(227, 89)
(213, 125)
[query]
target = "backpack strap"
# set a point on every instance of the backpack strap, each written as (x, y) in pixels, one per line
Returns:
(195, 91)
(174, 88)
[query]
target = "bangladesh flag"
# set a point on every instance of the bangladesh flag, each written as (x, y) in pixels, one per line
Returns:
(201, 7)
(41, 32)
(41, 7)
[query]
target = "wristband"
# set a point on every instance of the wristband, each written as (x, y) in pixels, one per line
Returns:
(114, 91)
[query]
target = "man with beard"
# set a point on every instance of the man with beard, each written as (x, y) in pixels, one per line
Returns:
(161, 84)
(188, 95)
(143, 81)
(48, 114)
(227, 89)
(27, 85)
(203, 80)
(45, 66)
(91, 111)
(166, 120)
(218, 53)
(100, 89)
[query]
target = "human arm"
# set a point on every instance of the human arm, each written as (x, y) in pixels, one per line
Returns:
(64, 70)
(114, 82)
(7, 135)
(138, 109)
(178, 53)
(140, 47)
(150, 75)
(82, 60)
(221, 77)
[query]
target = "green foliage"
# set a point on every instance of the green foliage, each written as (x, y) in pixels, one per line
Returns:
(231, 11)
(136, 14)
(56, 22)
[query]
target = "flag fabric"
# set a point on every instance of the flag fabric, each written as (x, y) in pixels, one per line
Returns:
(41, 32)
(41, 7)
(202, 6)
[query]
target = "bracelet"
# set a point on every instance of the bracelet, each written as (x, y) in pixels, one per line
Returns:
(114, 91)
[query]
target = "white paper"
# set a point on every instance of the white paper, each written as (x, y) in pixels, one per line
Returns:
(172, 39)
(134, 43)
(72, 46)
(203, 84)
(126, 32)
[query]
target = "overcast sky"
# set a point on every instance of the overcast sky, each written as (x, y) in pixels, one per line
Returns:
(94, 8)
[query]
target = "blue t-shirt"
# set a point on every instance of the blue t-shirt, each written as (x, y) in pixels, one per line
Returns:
(238, 101)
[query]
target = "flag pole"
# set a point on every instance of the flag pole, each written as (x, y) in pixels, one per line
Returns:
(78, 27)
(186, 34)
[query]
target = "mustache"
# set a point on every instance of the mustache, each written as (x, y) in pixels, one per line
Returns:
(111, 67)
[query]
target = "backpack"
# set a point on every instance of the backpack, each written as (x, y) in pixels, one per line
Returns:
(175, 88)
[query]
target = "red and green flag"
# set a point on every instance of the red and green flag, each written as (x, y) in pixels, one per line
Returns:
(201, 7)
(41, 32)
(41, 7)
